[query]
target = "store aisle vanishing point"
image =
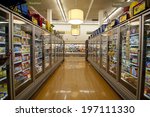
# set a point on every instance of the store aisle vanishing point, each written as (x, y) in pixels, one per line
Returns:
(75, 79)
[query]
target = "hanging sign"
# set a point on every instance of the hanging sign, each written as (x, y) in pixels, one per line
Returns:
(139, 8)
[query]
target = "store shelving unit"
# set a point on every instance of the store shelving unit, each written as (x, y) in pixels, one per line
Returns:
(129, 53)
(27, 54)
(21, 44)
(47, 46)
(112, 52)
(38, 51)
(104, 50)
(4, 55)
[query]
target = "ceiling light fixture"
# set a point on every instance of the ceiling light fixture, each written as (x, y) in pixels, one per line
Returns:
(75, 30)
(75, 16)
(61, 10)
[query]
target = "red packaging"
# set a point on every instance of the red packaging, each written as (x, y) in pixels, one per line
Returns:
(38, 18)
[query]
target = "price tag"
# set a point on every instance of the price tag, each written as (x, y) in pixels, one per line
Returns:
(139, 8)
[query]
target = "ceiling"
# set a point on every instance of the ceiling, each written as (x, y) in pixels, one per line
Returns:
(90, 14)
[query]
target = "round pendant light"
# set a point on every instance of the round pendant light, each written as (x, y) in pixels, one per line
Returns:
(75, 16)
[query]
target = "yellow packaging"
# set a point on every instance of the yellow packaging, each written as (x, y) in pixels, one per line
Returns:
(34, 21)
(48, 25)
(139, 8)
(133, 4)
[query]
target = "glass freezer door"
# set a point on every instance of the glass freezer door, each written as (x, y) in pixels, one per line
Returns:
(130, 46)
(112, 52)
(53, 50)
(104, 49)
(98, 51)
(47, 52)
(94, 49)
(38, 51)
(21, 45)
(4, 49)
(146, 57)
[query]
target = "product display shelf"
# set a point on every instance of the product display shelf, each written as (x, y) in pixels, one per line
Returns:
(147, 83)
(1, 32)
(23, 83)
(4, 97)
(134, 34)
(2, 43)
(2, 53)
(17, 35)
(147, 96)
(147, 68)
(130, 74)
(128, 83)
(17, 62)
(26, 69)
(18, 72)
(136, 65)
(3, 78)
(148, 56)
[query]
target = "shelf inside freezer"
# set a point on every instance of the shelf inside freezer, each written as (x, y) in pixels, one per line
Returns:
(3, 43)
(2, 32)
(4, 97)
(147, 96)
(134, 34)
(2, 78)
(23, 83)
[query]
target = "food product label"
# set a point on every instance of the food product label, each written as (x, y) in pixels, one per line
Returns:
(137, 9)
(123, 18)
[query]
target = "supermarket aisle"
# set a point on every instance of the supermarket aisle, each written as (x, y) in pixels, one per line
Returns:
(75, 79)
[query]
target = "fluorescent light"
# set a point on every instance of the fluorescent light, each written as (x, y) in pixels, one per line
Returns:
(61, 10)
(18, 21)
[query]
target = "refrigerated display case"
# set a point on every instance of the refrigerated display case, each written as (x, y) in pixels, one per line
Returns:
(38, 51)
(112, 52)
(4, 57)
(94, 49)
(21, 45)
(53, 49)
(98, 51)
(146, 57)
(104, 49)
(130, 56)
(56, 49)
(47, 50)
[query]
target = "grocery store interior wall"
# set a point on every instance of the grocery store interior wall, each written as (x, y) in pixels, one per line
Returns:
(76, 39)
